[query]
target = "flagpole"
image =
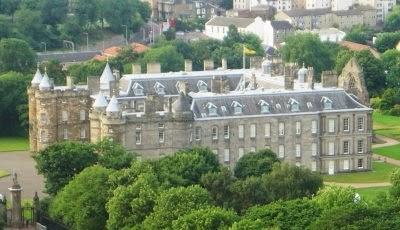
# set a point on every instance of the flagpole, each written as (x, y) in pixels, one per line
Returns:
(244, 58)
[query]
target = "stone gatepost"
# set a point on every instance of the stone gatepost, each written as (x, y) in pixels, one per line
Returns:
(16, 210)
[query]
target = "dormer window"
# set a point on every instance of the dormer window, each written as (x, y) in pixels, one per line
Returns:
(278, 106)
(309, 105)
(264, 106)
(159, 88)
(212, 109)
(137, 89)
(202, 86)
(327, 103)
(294, 105)
(237, 107)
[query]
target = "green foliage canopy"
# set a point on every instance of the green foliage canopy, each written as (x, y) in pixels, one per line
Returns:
(255, 163)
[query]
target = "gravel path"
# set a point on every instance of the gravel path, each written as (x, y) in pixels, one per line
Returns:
(359, 185)
(388, 142)
(23, 164)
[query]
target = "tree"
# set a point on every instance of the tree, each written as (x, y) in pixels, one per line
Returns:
(308, 49)
(206, 218)
(392, 22)
(9, 7)
(186, 167)
(59, 162)
(87, 11)
(255, 163)
(360, 34)
(247, 193)
(226, 4)
(202, 50)
(174, 203)
(55, 71)
(130, 204)
(373, 71)
(385, 41)
(54, 11)
(390, 98)
(112, 155)
(218, 185)
(343, 57)
(5, 27)
(167, 56)
(16, 55)
(292, 214)
(80, 72)
(335, 196)
(81, 204)
(390, 58)
(13, 104)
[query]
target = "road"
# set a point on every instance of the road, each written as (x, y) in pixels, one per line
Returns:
(23, 164)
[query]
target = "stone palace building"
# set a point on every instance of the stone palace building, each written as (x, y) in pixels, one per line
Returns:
(325, 126)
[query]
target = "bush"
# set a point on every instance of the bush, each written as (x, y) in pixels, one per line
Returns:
(395, 111)
(375, 102)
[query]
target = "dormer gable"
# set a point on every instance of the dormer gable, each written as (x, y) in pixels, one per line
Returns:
(138, 89)
(264, 106)
(327, 103)
(237, 107)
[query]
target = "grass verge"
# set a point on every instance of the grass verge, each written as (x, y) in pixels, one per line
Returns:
(380, 172)
(370, 194)
(4, 173)
(389, 151)
(386, 125)
(13, 144)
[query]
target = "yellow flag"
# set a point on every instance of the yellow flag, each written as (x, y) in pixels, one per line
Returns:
(248, 51)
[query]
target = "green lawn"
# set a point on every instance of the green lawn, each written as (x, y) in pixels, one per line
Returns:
(369, 194)
(3, 173)
(390, 151)
(380, 173)
(386, 125)
(13, 144)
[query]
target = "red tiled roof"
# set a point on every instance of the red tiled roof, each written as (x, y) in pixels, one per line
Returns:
(359, 47)
(114, 50)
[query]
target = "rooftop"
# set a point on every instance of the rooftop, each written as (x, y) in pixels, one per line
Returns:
(227, 21)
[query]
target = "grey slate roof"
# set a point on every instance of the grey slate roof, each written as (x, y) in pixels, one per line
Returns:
(227, 21)
(171, 79)
(347, 12)
(281, 25)
(64, 57)
(304, 12)
(340, 101)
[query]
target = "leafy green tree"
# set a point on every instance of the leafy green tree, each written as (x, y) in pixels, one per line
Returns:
(360, 34)
(128, 176)
(292, 214)
(202, 50)
(390, 98)
(70, 30)
(392, 22)
(249, 192)
(112, 155)
(386, 41)
(29, 24)
(174, 203)
(335, 196)
(81, 203)
(13, 104)
(290, 182)
(87, 11)
(80, 72)
(186, 166)
(5, 27)
(308, 49)
(206, 218)
(373, 71)
(390, 58)
(167, 56)
(55, 71)
(343, 57)
(16, 55)
(54, 11)
(130, 204)
(60, 162)
(9, 7)
(218, 185)
(255, 163)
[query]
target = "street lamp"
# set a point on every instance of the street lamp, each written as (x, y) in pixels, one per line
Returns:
(45, 46)
(126, 34)
(87, 41)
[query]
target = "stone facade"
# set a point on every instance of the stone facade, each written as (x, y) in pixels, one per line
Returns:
(232, 112)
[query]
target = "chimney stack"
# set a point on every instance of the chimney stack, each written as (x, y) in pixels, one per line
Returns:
(153, 67)
(329, 79)
(289, 77)
(208, 64)
(136, 69)
(224, 64)
(310, 77)
(188, 65)
(70, 82)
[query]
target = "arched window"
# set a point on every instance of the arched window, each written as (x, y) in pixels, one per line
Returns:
(352, 82)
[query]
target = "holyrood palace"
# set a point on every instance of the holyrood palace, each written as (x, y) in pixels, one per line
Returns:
(325, 126)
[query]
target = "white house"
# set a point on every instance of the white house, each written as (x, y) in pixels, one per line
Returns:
(271, 33)
(317, 4)
(338, 5)
(248, 4)
(327, 35)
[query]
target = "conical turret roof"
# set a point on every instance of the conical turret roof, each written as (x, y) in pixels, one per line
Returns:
(37, 78)
(100, 101)
(45, 82)
(113, 105)
(106, 77)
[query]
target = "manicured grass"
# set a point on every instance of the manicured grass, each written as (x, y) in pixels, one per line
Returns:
(3, 173)
(386, 125)
(369, 194)
(13, 144)
(389, 151)
(380, 173)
